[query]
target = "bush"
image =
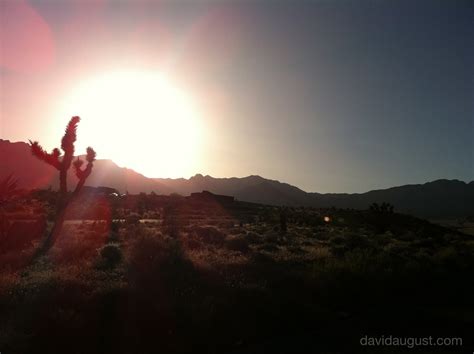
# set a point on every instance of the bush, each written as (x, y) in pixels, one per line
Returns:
(132, 219)
(155, 261)
(272, 237)
(321, 235)
(337, 240)
(253, 237)
(115, 226)
(237, 243)
(111, 254)
(209, 235)
(171, 226)
(356, 241)
(192, 243)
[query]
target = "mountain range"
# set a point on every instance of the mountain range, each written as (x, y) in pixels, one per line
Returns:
(437, 199)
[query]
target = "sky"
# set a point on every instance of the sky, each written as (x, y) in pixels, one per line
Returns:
(330, 96)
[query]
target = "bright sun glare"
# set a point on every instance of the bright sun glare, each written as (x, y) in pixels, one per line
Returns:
(141, 120)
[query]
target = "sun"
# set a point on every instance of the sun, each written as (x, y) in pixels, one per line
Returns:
(140, 120)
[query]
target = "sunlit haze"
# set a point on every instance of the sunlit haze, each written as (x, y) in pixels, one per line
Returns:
(328, 96)
(140, 119)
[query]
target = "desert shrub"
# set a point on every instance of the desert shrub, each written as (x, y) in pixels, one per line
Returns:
(446, 256)
(114, 232)
(425, 242)
(253, 237)
(209, 235)
(321, 235)
(154, 260)
(357, 241)
(398, 249)
(191, 242)
(296, 249)
(421, 254)
(76, 247)
(269, 247)
(226, 224)
(448, 238)
(237, 243)
(72, 252)
(259, 258)
(172, 223)
(115, 226)
(114, 237)
(337, 240)
(111, 254)
(20, 235)
(338, 250)
(132, 219)
(338, 245)
(14, 260)
(407, 236)
(384, 239)
(171, 226)
(234, 231)
(272, 237)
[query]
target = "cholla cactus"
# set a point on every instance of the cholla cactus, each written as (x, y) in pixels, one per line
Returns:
(63, 165)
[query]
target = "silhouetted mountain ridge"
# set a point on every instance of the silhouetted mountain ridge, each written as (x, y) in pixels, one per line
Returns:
(437, 199)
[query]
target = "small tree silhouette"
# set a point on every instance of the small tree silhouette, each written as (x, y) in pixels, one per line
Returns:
(62, 165)
(53, 158)
(384, 208)
(381, 215)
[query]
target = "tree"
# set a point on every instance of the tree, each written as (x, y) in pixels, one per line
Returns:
(381, 215)
(62, 165)
(384, 208)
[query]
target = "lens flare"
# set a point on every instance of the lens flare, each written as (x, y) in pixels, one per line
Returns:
(140, 120)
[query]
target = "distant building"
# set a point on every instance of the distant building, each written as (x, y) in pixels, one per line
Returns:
(207, 196)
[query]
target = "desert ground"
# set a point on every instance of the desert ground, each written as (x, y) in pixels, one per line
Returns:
(149, 274)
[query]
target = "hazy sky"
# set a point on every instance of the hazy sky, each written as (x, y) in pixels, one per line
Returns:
(331, 96)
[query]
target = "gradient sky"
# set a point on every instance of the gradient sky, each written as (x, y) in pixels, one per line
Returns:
(330, 96)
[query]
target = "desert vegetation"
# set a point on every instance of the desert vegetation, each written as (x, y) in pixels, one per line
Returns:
(62, 164)
(149, 273)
